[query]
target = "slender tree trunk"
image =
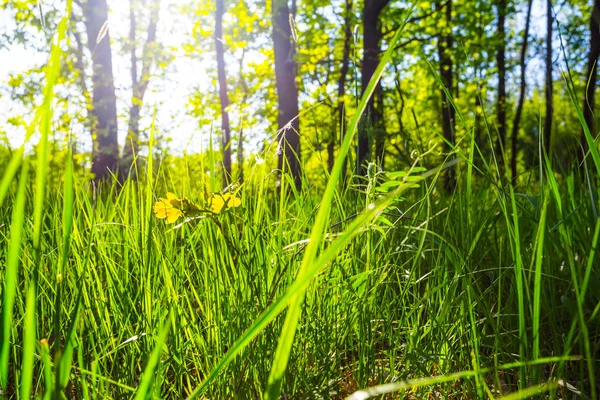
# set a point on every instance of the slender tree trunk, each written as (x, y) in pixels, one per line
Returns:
(331, 151)
(445, 44)
(342, 83)
(139, 84)
(80, 67)
(133, 43)
(372, 122)
(522, 87)
(480, 140)
(104, 100)
(246, 91)
(223, 96)
(131, 140)
(287, 91)
(549, 83)
(501, 62)
(591, 77)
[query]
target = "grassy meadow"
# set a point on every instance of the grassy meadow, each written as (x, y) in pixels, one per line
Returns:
(383, 286)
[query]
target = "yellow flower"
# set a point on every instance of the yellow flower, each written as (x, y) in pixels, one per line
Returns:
(218, 202)
(165, 208)
(173, 207)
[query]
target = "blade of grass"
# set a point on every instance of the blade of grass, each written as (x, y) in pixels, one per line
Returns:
(29, 330)
(67, 218)
(11, 275)
(10, 172)
(47, 368)
(532, 391)
(149, 222)
(434, 380)
(515, 240)
(537, 286)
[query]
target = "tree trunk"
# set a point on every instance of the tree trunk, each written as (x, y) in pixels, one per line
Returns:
(79, 65)
(139, 84)
(372, 121)
(223, 96)
(549, 83)
(445, 44)
(131, 139)
(331, 152)
(287, 91)
(591, 77)
(342, 83)
(240, 149)
(104, 100)
(523, 85)
(501, 62)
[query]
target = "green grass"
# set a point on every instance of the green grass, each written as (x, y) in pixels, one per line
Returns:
(430, 302)
(491, 291)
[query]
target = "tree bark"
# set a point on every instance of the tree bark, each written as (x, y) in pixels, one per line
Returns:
(549, 83)
(591, 77)
(240, 149)
(287, 91)
(104, 100)
(501, 62)
(331, 151)
(80, 67)
(445, 44)
(342, 83)
(139, 84)
(223, 95)
(373, 119)
(522, 87)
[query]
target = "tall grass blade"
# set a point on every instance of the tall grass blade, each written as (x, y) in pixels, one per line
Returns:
(29, 335)
(47, 368)
(537, 286)
(388, 388)
(149, 219)
(67, 219)
(10, 172)
(11, 275)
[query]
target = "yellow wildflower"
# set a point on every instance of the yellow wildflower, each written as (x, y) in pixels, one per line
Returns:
(218, 202)
(164, 208)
